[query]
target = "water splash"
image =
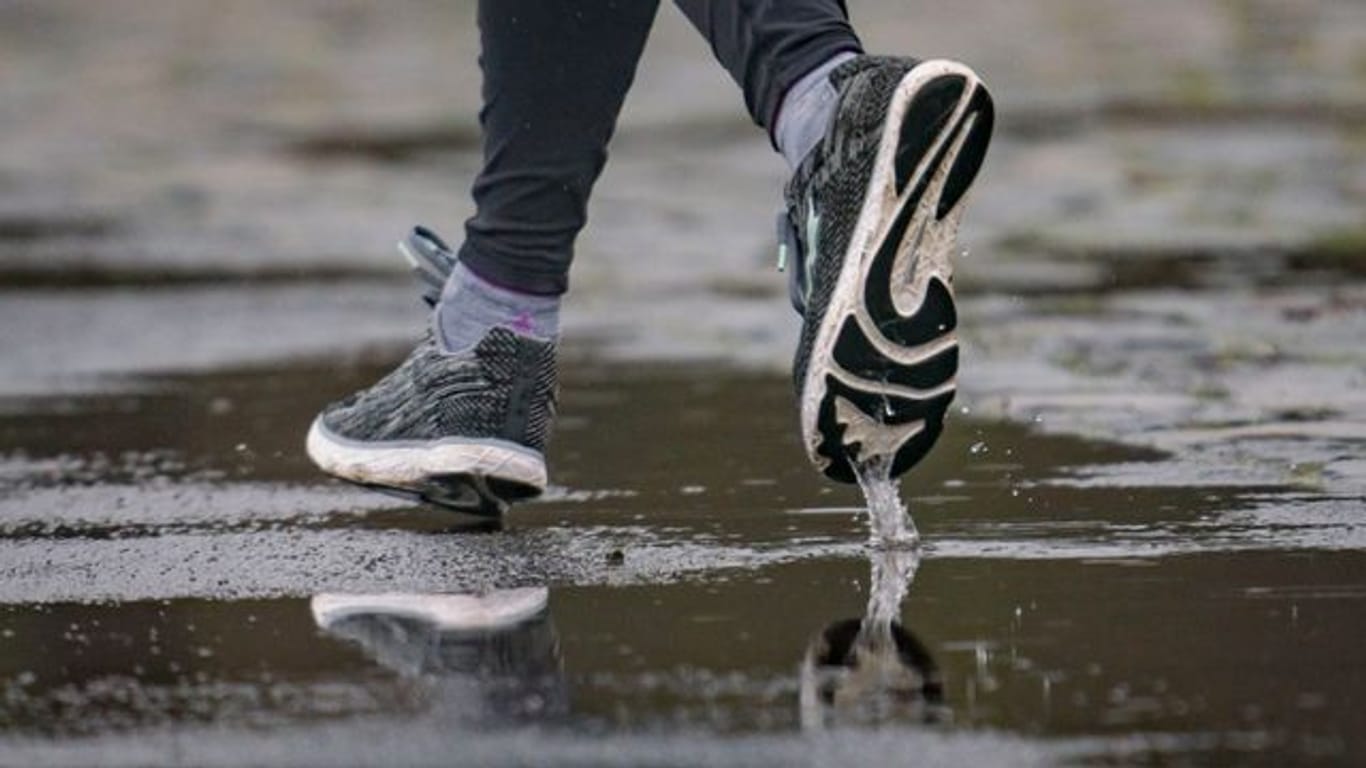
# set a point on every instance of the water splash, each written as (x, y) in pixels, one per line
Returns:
(889, 524)
(893, 571)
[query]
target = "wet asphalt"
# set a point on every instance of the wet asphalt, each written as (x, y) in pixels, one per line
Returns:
(1144, 527)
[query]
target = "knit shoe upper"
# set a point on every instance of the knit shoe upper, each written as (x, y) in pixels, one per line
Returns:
(503, 389)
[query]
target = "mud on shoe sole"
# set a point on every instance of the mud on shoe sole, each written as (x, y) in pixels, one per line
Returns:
(885, 357)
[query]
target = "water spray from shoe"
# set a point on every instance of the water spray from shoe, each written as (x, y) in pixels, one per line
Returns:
(889, 523)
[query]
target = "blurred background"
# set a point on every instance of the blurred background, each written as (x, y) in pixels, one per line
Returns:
(1144, 520)
(148, 141)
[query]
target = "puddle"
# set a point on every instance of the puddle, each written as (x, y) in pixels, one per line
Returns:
(706, 597)
(1142, 532)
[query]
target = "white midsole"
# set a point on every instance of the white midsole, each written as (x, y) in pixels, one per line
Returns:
(881, 203)
(410, 465)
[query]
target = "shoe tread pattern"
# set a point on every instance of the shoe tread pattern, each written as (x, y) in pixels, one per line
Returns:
(925, 121)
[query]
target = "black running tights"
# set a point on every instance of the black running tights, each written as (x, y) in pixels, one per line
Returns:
(555, 75)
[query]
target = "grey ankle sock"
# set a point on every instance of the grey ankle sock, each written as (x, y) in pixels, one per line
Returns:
(470, 306)
(806, 111)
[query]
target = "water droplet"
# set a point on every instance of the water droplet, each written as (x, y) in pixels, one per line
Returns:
(978, 448)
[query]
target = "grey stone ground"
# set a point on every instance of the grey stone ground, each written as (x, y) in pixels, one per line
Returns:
(1166, 245)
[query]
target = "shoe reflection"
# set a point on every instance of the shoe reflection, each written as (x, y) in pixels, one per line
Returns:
(872, 670)
(488, 659)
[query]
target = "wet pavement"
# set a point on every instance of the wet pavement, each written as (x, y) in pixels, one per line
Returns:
(1145, 525)
(161, 550)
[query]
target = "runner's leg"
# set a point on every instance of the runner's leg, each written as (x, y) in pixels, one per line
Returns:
(555, 75)
(780, 52)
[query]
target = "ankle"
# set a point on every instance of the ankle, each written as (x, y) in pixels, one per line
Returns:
(806, 110)
(471, 306)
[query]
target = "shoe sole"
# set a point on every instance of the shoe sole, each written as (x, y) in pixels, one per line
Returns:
(478, 477)
(884, 360)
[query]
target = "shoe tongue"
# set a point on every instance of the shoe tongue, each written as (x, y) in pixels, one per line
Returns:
(430, 260)
(423, 233)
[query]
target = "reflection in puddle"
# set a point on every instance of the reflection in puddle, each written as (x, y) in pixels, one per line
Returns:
(870, 671)
(488, 659)
(495, 658)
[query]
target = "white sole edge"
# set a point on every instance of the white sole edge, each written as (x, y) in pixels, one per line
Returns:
(411, 466)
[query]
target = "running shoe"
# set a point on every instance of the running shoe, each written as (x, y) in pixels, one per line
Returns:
(872, 215)
(463, 430)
